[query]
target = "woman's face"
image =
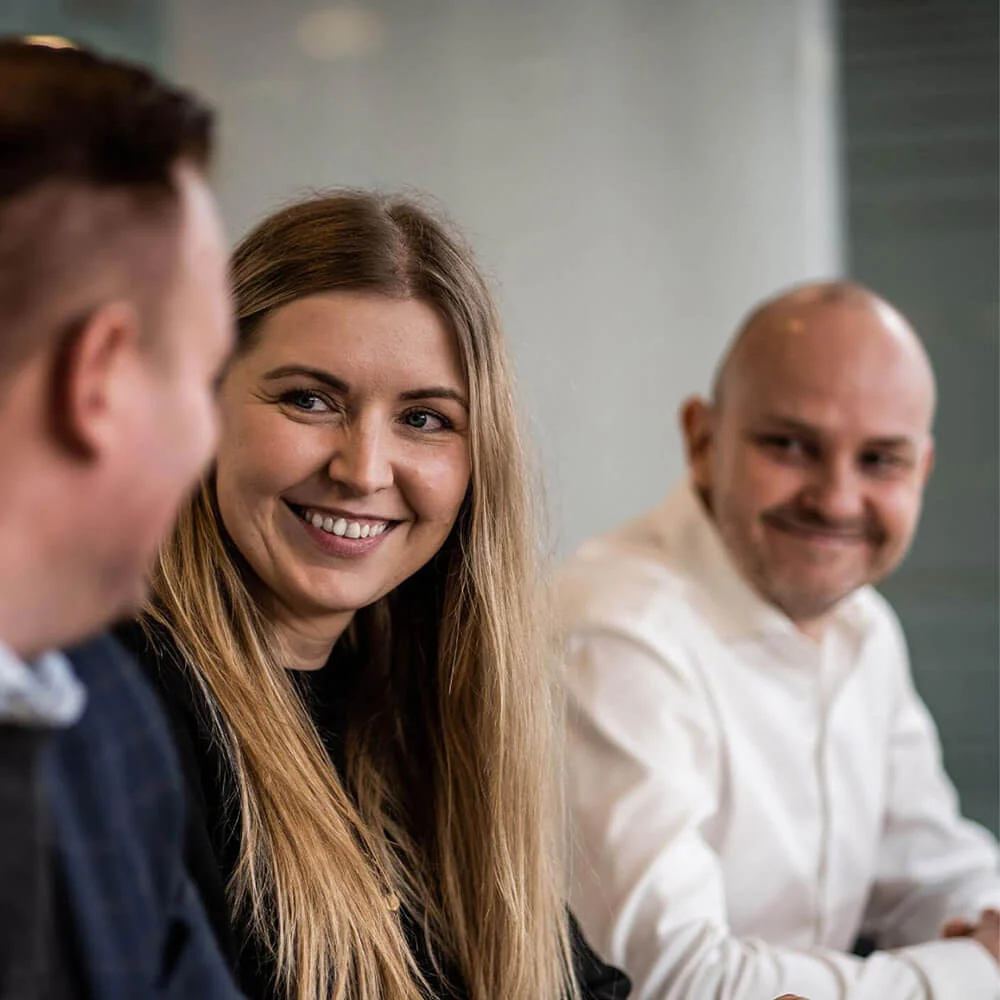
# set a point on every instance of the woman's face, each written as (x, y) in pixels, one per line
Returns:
(344, 454)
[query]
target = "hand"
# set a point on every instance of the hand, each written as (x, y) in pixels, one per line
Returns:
(986, 932)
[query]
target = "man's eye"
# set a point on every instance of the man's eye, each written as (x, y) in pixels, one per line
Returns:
(876, 461)
(782, 443)
(788, 448)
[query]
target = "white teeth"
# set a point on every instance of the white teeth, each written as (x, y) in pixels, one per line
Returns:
(343, 528)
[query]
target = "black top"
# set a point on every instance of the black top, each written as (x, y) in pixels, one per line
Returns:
(214, 819)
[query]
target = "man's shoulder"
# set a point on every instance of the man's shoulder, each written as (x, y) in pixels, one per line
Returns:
(121, 747)
(878, 617)
(101, 660)
(118, 809)
(879, 607)
(158, 657)
(115, 687)
(628, 579)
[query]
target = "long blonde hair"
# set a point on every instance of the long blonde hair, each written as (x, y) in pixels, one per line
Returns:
(450, 801)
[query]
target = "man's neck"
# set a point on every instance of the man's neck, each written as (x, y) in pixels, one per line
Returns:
(37, 612)
(24, 638)
(25, 629)
(46, 601)
(814, 628)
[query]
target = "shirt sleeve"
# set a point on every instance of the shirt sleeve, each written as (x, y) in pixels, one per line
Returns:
(647, 887)
(934, 865)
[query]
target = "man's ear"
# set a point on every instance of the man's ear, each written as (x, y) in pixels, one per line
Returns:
(94, 366)
(697, 417)
(930, 459)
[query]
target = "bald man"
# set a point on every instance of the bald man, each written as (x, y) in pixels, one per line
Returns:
(753, 779)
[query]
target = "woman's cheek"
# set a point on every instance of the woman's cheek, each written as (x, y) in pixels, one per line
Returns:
(440, 486)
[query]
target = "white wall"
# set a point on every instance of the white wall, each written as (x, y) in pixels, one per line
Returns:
(634, 174)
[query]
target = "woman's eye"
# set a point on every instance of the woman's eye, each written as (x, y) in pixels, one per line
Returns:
(425, 420)
(306, 401)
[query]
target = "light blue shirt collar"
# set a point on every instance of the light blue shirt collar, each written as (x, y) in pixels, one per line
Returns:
(45, 693)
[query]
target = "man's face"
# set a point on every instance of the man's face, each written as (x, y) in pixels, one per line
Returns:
(173, 426)
(816, 457)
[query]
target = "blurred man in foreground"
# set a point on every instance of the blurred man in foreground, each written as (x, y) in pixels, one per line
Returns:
(114, 323)
(754, 779)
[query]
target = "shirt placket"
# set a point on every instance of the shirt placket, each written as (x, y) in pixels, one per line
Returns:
(824, 690)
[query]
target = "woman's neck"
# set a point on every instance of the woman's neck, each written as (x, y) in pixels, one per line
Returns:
(306, 643)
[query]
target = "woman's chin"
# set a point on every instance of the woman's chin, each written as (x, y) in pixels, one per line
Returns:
(335, 603)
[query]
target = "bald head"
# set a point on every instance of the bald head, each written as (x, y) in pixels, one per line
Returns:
(813, 453)
(827, 328)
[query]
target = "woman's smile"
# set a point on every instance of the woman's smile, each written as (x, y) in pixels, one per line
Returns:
(341, 534)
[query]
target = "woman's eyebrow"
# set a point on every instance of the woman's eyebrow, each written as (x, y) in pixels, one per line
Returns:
(284, 371)
(436, 392)
(320, 375)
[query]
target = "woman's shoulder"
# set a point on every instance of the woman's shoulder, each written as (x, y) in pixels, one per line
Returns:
(596, 980)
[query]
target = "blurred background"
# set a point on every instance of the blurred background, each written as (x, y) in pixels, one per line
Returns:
(635, 174)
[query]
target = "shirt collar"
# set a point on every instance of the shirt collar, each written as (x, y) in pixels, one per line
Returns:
(45, 693)
(725, 596)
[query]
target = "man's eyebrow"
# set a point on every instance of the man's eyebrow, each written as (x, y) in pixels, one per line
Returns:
(896, 442)
(891, 441)
(790, 424)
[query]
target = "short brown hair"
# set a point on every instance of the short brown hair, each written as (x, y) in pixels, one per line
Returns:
(88, 150)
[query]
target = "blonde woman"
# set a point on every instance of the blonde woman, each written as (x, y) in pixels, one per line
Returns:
(346, 633)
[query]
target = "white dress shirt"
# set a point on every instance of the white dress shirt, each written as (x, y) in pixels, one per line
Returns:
(746, 800)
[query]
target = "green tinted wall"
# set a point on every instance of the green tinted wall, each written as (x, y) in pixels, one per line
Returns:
(920, 116)
(129, 28)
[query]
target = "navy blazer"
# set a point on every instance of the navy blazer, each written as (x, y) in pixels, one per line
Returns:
(124, 898)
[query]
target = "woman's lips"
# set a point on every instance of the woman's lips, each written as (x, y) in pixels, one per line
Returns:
(342, 536)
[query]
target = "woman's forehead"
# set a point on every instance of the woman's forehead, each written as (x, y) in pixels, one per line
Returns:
(373, 337)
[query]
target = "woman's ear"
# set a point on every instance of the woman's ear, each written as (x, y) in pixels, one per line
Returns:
(92, 375)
